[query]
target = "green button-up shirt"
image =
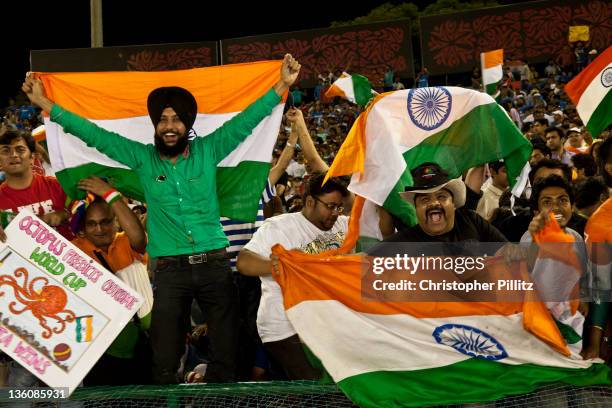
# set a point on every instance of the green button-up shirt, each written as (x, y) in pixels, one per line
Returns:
(183, 210)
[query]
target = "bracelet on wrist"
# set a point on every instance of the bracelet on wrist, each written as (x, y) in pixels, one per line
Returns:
(111, 196)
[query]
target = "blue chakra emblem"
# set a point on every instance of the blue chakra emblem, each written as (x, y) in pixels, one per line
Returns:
(429, 108)
(606, 77)
(470, 341)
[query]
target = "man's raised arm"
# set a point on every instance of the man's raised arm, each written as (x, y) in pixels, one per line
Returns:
(115, 146)
(225, 139)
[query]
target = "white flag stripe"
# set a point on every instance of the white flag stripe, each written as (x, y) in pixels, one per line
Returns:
(405, 343)
(345, 83)
(592, 97)
(67, 151)
(492, 75)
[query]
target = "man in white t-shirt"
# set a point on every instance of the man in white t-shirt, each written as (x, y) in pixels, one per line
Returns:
(317, 228)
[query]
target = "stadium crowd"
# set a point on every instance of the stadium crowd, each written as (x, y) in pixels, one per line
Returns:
(210, 325)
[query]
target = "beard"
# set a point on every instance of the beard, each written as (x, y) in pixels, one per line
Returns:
(171, 151)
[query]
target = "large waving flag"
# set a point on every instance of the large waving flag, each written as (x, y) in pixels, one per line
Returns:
(116, 101)
(590, 91)
(392, 354)
(455, 127)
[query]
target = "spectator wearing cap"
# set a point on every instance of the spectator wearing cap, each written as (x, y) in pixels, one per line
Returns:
(575, 141)
(317, 228)
(178, 175)
(558, 117)
(490, 196)
(439, 203)
(555, 140)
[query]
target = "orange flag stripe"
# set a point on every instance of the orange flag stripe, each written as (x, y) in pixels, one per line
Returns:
(118, 95)
(351, 156)
(576, 87)
(324, 277)
(493, 58)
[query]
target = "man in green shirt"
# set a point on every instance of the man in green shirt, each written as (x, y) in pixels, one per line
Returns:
(179, 182)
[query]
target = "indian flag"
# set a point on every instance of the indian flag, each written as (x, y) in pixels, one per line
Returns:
(39, 133)
(590, 92)
(117, 101)
(492, 72)
(84, 328)
(598, 236)
(355, 88)
(556, 272)
(392, 354)
(455, 127)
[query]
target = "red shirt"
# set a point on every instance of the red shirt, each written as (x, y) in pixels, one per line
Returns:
(43, 196)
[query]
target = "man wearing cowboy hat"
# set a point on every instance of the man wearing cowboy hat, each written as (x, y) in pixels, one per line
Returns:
(179, 182)
(438, 201)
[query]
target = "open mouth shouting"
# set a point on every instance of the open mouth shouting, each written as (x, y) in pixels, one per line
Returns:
(435, 216)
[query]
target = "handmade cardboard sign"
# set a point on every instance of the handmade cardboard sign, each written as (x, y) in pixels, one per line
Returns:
(59, 309)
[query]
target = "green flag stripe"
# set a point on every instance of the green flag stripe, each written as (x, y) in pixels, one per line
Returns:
(601, 117)
(238, 188)
(492, 88)
(483, 135)
(568, 333)
(397, 206)
(362, 89)
(124, 180)
(79, 328)
(473, 380)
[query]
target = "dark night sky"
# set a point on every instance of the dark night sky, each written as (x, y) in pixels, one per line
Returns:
(130, 22)
(52, 25)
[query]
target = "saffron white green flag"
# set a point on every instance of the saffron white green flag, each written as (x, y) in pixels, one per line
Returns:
(455, 127)
(355, 88)
(492, 72)
(116, 101)
(590, 91)
(413, 354)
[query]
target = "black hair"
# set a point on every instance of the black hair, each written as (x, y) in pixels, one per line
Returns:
(7, 138)
(315, 188)
(538, 144)
(140, 207)
(526, 126)
(589, 191)
(560, 132)
(496, 165)
(505, 200)
(605, 155)
(550, 164)
(553, 180)
(541, 121)
(586, 162)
